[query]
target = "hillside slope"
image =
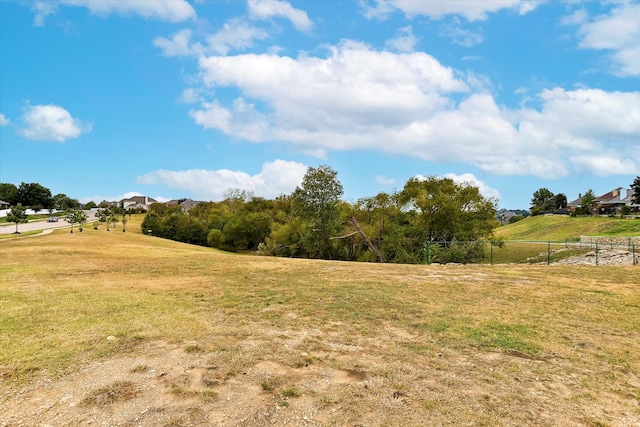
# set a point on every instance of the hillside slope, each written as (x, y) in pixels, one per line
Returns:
(556, 227)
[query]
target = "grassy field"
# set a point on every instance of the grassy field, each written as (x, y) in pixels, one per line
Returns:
(560, 228)
(307, 342)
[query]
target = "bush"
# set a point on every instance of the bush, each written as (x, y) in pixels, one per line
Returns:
(515, 218)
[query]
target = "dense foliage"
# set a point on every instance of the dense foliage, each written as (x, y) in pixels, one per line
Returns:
(313, 221)
(636, 191)
(35, 196)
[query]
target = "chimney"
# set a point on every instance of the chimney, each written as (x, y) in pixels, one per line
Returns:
(146, 201)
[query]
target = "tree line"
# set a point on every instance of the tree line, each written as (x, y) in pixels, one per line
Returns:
(35, 196)
(313, 221)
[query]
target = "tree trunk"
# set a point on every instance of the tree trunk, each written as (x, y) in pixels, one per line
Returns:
(368, 241)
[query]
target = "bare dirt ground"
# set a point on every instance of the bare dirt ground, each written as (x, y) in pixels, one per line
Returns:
(162, 384)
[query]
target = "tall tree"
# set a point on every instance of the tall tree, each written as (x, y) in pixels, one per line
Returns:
(9, 193)
(18, 215)
(35, 196)
(561, 201)
(63, 202)
(449, 211)
(316, 202)
(588, 201)
(543, 202)
(635, 199)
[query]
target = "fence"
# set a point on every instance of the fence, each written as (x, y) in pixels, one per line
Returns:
(583, 252)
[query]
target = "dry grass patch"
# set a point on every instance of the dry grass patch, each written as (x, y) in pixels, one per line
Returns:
(358, 343)
(118, 391)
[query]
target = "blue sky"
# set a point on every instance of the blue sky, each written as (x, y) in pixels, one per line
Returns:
(176, 98)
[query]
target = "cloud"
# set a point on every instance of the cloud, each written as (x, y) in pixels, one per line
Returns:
(4, 121)
(43, 9)
(266, 9)
(179, 44)
(471, 10)
(618, 32)
(383, 180)
(357, 98)
(459, 35)
(275, 178)
(51, 123)
(163, 10)
(236, 34)
(470, 179)
(405, 41)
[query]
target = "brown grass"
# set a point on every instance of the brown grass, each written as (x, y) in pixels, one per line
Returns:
(360, 343)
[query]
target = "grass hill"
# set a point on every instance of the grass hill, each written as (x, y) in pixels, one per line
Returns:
(109, 327)
(560, 228)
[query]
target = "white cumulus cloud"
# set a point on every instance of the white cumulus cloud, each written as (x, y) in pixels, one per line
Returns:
(51, 123)
(617, 32)
(275, 178)
(266, 9)
(4, 121)
(357, 98)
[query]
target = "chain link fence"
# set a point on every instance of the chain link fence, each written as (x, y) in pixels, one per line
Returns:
(581, 252)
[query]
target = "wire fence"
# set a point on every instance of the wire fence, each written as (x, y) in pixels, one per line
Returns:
(534, 252)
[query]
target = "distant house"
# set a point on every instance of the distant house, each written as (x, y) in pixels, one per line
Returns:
(188, 204)
(137, 202)
(609, 203)
(4, 205)
(612, 202)
(185, 204)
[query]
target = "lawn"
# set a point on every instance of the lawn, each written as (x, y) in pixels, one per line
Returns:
(126, 328)
(561, 228)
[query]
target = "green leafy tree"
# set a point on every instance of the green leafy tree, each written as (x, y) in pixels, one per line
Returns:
(635, 199)
(560, 201)
(316, 202)
(449, 211)
(104, 215)
(588, 202)
(543, 201)
(63, 202)
(9, 193)
(18, 215)
(90, 205)
(35, 196)
(246, 230)
(76, 216)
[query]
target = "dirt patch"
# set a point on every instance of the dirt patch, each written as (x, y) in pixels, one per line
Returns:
(185, 385)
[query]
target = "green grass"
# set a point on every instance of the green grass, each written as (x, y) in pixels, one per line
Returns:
(560, 228)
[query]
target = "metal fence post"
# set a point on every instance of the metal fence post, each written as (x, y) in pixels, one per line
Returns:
(596, 253)
(491, 251)
(428, 249)
(548, 252)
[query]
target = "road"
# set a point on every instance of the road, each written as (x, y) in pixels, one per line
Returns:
(41, 225)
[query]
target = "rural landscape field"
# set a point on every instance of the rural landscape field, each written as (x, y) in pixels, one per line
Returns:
(112, 328)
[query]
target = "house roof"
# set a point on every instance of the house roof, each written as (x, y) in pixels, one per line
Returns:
(141, 200)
